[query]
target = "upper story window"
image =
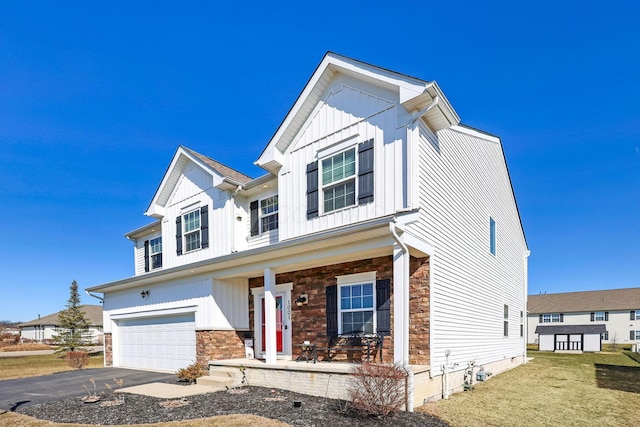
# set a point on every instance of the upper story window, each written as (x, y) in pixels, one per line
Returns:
(155, 250)
(600, 316)
(492, 236)
(338, 180)
(152, 254)
(346, 179)
(264, 215)
(191, 224)
(551, 318)
(634, 314)
(192, 230)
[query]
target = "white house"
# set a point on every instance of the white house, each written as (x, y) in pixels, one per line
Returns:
(45, 328)
(618, 310)
(379, 212)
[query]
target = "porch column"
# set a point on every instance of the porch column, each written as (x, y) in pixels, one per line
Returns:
(400, 304)
(270, 316)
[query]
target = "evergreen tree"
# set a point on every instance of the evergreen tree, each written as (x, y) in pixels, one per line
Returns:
(72, 324)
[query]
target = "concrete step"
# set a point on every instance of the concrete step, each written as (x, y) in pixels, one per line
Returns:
(221, 376)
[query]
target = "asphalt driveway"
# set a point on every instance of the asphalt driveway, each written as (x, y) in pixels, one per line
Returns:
(66, 385)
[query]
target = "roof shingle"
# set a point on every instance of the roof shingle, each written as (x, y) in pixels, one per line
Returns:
(607, 300)
(93, 314)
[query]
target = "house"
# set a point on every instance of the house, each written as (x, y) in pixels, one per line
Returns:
(44, 329)
(615, 310)
(379, 212)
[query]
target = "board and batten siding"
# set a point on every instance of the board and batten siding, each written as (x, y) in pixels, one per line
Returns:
(194, 189)
(217, 304)
(347, 116)
(463, 181)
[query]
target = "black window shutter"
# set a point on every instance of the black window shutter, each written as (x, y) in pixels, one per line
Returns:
(540, 319)
(146, 255)
(561, 317)
(593, 316)
(332, 310)
(179, 235)
(632, 335)
(632, 315)
(204, 226)
(255, 225)
(365, 172)
(383, 307)
(312, 190)
(606, 316)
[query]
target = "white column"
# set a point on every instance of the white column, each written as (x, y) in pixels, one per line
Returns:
(270, 316)
(400, 305)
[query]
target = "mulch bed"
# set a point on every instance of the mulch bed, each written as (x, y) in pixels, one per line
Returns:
(265, 402)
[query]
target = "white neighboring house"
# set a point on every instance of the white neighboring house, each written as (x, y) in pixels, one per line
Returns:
(618, 310)
(44, 328)
(379, 212)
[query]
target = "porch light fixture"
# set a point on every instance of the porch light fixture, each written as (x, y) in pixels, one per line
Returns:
(301, 300)
(144, 294)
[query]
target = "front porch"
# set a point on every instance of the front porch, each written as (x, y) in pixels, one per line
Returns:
(323, 379)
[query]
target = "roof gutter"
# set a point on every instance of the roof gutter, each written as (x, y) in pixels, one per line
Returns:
(95, 296)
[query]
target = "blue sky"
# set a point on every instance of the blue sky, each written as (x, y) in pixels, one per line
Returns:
(95, 98)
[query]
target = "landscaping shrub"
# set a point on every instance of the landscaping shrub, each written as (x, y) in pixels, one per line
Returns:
(376, 389)
(76, 359)
(191, 373)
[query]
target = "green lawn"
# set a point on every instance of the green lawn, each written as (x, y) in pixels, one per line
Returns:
(552, 390)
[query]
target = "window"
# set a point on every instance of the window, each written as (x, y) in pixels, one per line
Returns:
(191, 230)
(552, 318)
(521, 323)
(357, 308)
(492, 236)
(506, 321)
(155, 249)
(269, 214)
(605, 336)
(338, 180)
(634, 315)
(635, 336)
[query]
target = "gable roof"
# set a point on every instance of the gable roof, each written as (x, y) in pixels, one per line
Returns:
(606, 300)
(93, 313)
(570, 329)
(414, 95)
(171, 176)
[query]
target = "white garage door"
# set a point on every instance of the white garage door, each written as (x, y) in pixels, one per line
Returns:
(157, 343)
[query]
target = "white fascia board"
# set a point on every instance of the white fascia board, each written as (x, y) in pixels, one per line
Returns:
(476, 133)
(143, 230)
(156, 207)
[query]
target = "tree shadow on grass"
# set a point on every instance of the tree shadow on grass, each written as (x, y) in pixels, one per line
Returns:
(614, 377)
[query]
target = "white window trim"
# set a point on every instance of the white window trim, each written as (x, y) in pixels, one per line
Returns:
(260, 215)
(357, 279)
(151, 253)
(198, 230)
(322, 187)
(595, 316)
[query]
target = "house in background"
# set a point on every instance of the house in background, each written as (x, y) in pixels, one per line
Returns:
(378, 213)
(43, 329)
(616, 310)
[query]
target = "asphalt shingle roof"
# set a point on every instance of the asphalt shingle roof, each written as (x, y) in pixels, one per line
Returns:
(92, 312)
(570, 329)
(607, 300)
(223, 170)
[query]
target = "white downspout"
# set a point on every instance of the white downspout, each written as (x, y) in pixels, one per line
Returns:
(526, 312)
(95, 296)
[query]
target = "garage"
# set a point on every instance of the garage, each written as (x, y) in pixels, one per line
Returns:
(157, 343)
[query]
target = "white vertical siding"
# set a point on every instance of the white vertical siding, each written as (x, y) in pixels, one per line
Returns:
(194, 190)
(463, 181)
(347, 113)
(217, 304)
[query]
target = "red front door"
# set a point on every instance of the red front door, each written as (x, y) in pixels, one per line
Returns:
(279, 325)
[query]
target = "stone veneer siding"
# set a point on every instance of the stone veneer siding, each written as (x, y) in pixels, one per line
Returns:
(108, 349)
(219, 345)
(309, 322)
